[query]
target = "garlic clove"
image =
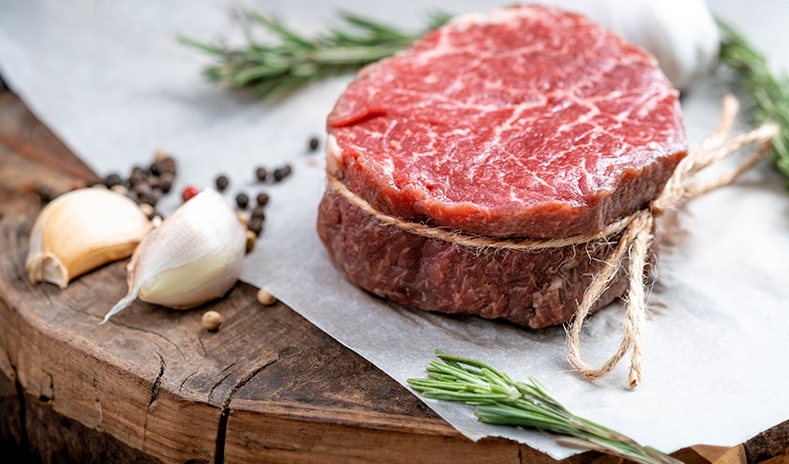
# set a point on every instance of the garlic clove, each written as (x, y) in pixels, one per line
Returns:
(80, 231)
(194, 256)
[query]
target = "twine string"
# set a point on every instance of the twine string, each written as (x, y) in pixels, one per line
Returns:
(600, 282)
(634, 243)
(638, 237)
(469, 240)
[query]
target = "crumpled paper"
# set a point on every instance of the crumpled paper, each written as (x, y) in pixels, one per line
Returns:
(111, 81)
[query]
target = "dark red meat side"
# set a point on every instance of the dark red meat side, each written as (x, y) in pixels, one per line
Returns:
(535, 289)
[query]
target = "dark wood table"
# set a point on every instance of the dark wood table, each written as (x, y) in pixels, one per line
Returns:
(153, 386)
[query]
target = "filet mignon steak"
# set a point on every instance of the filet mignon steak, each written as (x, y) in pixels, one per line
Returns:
(525, 121)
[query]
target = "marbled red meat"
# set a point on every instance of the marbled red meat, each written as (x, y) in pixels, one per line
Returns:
(522, 122)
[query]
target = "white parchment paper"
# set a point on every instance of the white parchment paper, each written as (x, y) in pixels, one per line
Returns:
(109, 78)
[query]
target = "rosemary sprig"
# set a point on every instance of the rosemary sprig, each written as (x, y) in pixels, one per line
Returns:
(274, 70)
(769, 92)
(502, 401)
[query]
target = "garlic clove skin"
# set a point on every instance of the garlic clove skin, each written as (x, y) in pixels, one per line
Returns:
(80, 231)
(209, 277)
(681, 34)
(194, 256)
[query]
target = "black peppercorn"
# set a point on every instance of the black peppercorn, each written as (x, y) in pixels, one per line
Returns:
(154, 181)
(314, 142)
(262, 199)
(242, 200)
(163, 164)
(281, 173)
(137, 175)
(156, 168)
(221, 183)
(256, 225)
(165, 185)
(257, 213)
(154, 196)
(112, 180)
(167, 176)
(261, 174)
(142, 189)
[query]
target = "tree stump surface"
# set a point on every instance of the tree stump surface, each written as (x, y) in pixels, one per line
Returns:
(153, 386)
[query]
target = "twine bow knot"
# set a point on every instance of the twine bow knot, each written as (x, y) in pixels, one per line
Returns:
(637, 239)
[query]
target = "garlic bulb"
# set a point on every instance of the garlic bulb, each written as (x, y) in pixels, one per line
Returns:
(194, 256)
(80, 231)
(681, 34)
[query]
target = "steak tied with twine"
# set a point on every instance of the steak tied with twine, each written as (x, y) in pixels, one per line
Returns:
(632, 247)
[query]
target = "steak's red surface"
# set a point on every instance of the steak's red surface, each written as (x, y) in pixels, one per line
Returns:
(522, 122)
(526, 121)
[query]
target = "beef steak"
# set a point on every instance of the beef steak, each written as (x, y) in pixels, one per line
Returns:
(522, 122)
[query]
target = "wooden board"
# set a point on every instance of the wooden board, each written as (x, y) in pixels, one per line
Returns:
(153, 386)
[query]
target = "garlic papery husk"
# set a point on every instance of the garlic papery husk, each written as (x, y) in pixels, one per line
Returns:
(194, 256)
(681, 34)
(80, 231)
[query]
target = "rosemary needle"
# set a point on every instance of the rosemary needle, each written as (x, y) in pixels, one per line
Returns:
(769, 92)
(501, 401)
(271, 71)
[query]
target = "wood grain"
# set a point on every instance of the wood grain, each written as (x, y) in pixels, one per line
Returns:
(153, 386)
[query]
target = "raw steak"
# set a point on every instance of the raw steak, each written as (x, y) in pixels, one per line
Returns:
(523, 122)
